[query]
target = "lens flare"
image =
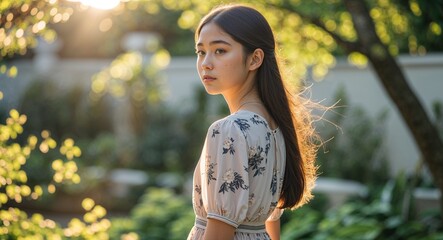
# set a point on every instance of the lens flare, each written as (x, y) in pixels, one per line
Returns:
(101, 4)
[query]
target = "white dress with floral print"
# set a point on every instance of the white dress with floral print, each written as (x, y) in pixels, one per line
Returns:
(239, 176)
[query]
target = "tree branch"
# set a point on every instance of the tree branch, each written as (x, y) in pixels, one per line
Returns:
(348, 46)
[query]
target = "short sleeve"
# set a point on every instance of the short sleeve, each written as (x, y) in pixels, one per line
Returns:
(225, 182)
(275, 215)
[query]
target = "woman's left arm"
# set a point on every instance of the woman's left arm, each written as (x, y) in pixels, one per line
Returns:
(273, 229)
(218, 230)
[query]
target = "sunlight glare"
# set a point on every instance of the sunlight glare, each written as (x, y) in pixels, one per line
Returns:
(101, 4)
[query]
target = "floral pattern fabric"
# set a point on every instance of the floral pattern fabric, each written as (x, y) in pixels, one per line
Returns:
(239, 175)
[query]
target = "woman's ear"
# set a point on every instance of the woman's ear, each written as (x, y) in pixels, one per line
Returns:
(256, 59)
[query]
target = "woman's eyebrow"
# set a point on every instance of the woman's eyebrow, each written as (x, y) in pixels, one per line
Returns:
(215, 42)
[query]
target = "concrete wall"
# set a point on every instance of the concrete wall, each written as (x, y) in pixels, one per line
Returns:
(425, 76)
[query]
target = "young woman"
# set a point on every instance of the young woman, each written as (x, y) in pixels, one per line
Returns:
(260, 159)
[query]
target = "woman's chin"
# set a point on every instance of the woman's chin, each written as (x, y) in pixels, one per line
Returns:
(212, 91)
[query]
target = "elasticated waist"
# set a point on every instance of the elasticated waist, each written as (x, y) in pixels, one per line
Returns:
(201, 223)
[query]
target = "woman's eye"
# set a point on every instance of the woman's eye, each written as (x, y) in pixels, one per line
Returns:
(219, 51)
(199, 52)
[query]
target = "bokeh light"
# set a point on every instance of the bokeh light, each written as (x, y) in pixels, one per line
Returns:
(100, 4)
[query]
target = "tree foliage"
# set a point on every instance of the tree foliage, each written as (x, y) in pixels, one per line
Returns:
(310, 32)
(21, 24)
(23, 21)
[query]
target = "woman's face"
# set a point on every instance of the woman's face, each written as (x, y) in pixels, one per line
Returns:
(221, 62)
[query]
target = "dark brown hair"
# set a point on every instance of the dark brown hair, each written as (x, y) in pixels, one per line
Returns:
(249, 27)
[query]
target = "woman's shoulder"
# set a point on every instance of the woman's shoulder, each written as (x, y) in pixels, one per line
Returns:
(240, 121)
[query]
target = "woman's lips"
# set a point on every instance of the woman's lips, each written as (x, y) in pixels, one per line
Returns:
(208, 78)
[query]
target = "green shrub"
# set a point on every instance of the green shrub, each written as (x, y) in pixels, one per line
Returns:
(383, 216)
(161, 214)
(14, 187)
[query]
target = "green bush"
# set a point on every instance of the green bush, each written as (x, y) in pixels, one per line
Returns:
(63, 112)
(14, 187)
(383, 216)
(161, 214)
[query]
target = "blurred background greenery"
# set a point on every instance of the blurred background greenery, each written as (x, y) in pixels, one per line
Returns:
(67, 170)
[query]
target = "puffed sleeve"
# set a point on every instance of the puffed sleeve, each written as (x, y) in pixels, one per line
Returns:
(225, 182)
(275, 215)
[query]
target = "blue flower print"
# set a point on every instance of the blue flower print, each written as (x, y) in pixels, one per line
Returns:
(273, 187)
(257, 120)
(273, 205)
(214, 132)
(210, 171)
(255, 159)
(242, 124)
(232, 181)
(268, 144)
(228, 146)
(198, 190)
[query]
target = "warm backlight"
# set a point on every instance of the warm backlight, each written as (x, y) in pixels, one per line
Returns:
(101, 4)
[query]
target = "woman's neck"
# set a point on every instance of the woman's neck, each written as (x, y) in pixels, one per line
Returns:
(237, 101)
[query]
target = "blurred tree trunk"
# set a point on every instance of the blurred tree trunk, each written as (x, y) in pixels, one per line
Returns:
(394, 81)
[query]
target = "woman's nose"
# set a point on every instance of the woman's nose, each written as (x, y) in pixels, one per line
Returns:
(206, 63)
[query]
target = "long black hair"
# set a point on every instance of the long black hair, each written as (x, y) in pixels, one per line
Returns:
(249, 27)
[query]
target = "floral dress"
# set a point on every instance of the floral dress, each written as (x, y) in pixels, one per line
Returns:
(239, 176)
